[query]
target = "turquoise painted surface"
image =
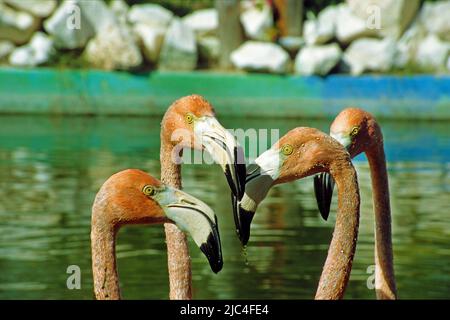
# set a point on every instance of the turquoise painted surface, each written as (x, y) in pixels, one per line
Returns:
(246, 95)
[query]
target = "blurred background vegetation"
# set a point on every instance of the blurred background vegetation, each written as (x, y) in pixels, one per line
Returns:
(183, 7)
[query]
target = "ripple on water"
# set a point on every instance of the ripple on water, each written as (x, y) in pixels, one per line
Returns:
(47, 186)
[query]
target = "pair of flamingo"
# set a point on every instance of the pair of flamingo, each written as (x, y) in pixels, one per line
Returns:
(305, 151)
(132, 197)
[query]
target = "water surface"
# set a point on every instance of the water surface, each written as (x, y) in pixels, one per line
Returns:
(51, 169)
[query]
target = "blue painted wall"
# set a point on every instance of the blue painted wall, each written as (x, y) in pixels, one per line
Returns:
(248, 95)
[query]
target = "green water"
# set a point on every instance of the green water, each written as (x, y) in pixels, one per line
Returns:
(51, 169)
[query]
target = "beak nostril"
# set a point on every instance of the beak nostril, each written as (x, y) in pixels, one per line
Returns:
(185, 201)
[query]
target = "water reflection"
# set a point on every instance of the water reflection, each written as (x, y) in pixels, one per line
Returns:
(51, 168)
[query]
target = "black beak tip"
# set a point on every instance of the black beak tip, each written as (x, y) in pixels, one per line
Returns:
(323, 189)
(217, 266)
(213, 252)
(235, 173)
(245, 219)
(244, 237)
(324, 213)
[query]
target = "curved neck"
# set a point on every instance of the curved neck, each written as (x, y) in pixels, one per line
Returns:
(170, 170)
(336, 271)
(178, 259)
(104, 267)
(384, 262)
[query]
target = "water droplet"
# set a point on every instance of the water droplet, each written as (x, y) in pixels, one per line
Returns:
(245, 255)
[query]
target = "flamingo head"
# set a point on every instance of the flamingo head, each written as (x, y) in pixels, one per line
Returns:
(190, 122)
(298, 154)
(134, 197)
(357, 130)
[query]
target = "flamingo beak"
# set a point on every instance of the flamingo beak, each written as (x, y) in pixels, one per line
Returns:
(259, 179)
(342, 138)
(224, 149)
(324, 183)
(323, 189)
(195, 218)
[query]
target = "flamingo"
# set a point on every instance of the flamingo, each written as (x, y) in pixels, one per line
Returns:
(134, 197)
(303, 152)
(190, 123)
(358, 131)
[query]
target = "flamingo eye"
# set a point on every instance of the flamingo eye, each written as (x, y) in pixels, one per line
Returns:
(354, 131)
(189, 118)
(149, 190)
(287, 149)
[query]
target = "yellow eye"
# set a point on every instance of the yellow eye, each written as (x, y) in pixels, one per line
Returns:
(354, 131)
(287, 149)
(189, 118)
(149, 190)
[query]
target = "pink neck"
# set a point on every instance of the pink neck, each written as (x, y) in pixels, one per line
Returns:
(384, 261)
(337, 268)
(104, 267)
(179, 261)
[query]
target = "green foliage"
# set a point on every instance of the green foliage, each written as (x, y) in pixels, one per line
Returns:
(318, 5)
(179, 7)
(411, 69)
(183, 7)
(69, 59)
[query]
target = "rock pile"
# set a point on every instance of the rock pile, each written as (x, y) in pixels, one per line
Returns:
(355, 36)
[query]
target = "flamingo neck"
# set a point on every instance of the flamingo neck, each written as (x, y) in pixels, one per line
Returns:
(179, 261)
(384, 262)
(336, 271)
(104, 266)
(170, 170)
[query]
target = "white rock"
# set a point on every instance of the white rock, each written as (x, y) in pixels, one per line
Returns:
(38, 51)
(322, 29)
(408, 44)
(349, 26)
(98, 14)
(434, 16)
(22, 57)
(42, 46)
(260, 56)
(150, 39)
(150, 23)
(6, 47)
(433, 52)
(317, 59)
(370, 55)
(179, 50)
(246, 5)
(16, 26)
(38, 8)
(150, 14)
(203, 22)
(291, 43)
(113, 48)
(209, 49)
(258, 22)
(388, 18)
(69, 26)
(312, 34)
(120, 9)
